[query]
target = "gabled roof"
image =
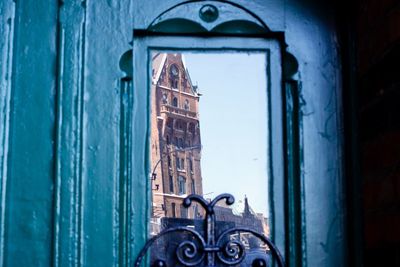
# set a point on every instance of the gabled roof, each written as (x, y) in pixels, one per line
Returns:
(159, 60)
(158, 63)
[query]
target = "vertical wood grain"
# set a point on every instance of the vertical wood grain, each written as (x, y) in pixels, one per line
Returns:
(7, 9)
(31, 85)
(68, 239)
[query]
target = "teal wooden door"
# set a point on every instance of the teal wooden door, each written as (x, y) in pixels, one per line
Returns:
(60, 177)
(74, 128)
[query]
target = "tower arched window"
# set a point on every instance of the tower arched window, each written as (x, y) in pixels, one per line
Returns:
(175, 102)
(174, 76)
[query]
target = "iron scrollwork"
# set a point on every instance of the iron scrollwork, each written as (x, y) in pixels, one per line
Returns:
(212, 249)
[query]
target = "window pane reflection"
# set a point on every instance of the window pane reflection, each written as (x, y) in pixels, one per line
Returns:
(208, 136)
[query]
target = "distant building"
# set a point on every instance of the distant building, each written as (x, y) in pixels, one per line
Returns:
(175, 138)
(247, 218)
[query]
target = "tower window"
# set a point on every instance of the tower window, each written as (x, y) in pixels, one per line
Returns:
(174, 75)
(182, 185)
(174, 83)
(180, 143)
(191, 128)
(175, 102)
(173, 209)
(186, 105)
(170, 123)
(164, 98)
(171, 184)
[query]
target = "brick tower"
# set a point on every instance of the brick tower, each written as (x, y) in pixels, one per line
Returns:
(175, 138)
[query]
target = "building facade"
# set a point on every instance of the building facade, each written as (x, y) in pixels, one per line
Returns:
(246, 218)
(175, 138)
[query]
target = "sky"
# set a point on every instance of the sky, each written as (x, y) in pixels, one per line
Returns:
(233, 124)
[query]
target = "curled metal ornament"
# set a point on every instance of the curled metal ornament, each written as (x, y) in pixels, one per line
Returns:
(233, 252)
(187, 252)
(273, 249)
(210, 250)
(168, 231)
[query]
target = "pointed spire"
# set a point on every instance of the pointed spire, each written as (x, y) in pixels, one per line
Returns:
(246, 211)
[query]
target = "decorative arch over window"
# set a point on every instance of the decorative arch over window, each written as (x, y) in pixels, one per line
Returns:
(184, 26)
(208, 16)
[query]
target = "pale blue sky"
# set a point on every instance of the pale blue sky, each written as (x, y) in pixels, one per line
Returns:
(233, 124)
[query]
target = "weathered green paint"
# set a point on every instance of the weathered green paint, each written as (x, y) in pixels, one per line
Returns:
(29, 175)
(74, 130)
(7, 10)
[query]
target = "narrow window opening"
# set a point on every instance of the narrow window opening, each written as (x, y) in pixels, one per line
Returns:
(171, 184)
(169, 161)
(175, 102)
(173, 209)
(165, 99)
(182, 185)
(193, 187)
(190, 165)
(186, 105)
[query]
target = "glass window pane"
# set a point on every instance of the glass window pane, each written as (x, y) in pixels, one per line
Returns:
(209, 118)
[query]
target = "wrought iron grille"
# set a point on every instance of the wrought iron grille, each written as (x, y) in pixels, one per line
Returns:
(208, 248)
